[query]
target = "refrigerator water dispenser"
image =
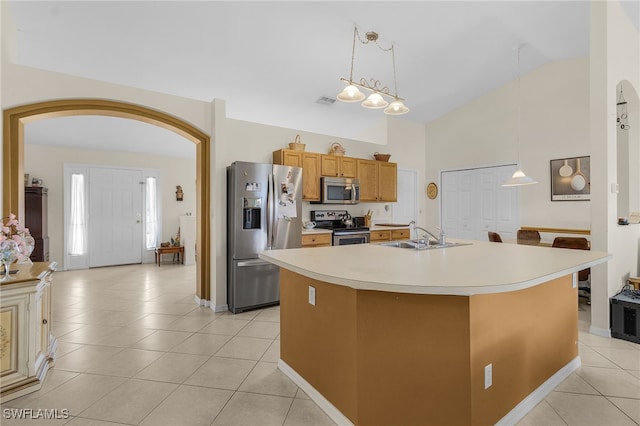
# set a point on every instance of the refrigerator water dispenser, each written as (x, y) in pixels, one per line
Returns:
(251, 213)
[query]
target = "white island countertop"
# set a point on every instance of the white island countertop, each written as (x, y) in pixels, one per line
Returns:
(478, 268)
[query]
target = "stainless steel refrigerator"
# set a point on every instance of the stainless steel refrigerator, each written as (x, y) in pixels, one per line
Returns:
(264, 212)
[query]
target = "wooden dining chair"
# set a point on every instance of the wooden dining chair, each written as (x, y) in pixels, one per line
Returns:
(494, 237)
(529, 237)
(584, 276)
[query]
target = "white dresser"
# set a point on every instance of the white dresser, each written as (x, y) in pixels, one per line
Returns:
(27, 347)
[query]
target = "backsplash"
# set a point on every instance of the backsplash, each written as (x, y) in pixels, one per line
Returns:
(382, 212)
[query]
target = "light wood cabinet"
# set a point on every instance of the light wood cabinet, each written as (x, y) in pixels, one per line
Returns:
(400, 234)
(390, 235)
(288, 157)
(310, 163)
(28, 347)
(378, 181)
(316, 240)
(380, 236)
(387, 181)
(337, 166)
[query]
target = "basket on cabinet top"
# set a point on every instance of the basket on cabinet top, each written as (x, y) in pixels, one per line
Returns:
(296, 145)
(336, 149)
(381, 157)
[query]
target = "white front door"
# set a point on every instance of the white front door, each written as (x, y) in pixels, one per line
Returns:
(115, 216)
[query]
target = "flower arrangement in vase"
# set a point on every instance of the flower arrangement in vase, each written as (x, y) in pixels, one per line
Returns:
(16, 244)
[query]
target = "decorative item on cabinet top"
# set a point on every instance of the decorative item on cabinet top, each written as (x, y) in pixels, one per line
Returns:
(297, 145)
(381, 157)
(336, 149)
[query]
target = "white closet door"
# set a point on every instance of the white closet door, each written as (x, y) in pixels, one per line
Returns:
(468, 209)
(508, 204)
(474, 203)
(115, 217)
(406, 209)
(487, 199)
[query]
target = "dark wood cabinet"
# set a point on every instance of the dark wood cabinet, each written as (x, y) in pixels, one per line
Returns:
(35, 218)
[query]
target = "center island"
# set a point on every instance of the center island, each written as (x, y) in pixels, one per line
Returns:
(473, 334)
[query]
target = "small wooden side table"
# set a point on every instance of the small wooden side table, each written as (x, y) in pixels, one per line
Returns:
(176, 251)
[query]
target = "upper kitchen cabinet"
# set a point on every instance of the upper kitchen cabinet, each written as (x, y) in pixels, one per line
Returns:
(288, 157)
(337, 166)
(378, 180)
(310, 163)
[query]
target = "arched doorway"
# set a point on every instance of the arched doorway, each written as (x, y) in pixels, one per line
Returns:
(13, 160)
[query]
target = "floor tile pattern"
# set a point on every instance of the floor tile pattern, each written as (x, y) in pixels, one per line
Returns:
(134, 349)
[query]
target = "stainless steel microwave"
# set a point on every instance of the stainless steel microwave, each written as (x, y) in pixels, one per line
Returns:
(339, 190)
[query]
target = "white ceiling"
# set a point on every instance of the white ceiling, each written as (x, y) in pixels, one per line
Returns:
(270, 61)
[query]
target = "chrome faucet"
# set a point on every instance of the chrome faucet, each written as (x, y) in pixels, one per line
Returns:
(441, 239)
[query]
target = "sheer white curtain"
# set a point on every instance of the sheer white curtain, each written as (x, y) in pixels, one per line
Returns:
(151, 213)
(77, 242)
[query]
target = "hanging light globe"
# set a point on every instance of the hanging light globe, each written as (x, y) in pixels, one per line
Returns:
(396, 108)
(375, 101)
(350, 94)
(519, 179)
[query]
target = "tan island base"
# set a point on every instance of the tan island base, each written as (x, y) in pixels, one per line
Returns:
(384, 358)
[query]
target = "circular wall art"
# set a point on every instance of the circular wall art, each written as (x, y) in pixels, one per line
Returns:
(432, 191)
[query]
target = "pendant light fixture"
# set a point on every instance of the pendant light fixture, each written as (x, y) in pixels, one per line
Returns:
(519, 178)
(352, 93)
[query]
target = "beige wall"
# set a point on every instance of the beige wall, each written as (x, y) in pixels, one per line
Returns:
(614, 57)
(554, 104)
(47, 163)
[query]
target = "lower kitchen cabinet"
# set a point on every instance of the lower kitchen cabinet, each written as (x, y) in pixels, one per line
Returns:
(27, 347)
(316, 240)
(390, 235)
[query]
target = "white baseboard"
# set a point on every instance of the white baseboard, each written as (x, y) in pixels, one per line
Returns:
(602, 332)
(201, 302)
(519, 411)
(315, 396)
(511, 418)
(219, 308)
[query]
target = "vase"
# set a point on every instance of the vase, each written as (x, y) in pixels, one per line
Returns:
(29, 245)
(9, 252)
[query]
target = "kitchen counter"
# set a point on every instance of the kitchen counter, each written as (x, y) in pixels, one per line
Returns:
(387, 227)
(473, 334)
(316, 231)
(478, 268)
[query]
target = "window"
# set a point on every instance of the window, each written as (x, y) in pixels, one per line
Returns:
(77, 242)
(151, 213)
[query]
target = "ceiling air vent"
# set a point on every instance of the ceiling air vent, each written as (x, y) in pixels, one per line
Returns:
(325, 100)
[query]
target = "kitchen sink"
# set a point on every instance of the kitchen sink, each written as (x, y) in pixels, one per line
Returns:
(421, 245)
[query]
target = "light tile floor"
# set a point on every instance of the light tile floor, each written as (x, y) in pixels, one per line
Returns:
(135, 349)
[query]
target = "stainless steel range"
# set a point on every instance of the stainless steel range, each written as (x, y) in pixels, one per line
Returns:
(346, 230)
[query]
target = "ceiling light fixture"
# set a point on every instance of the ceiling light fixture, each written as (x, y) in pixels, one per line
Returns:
(519, 178)
(376, 100)
(623, 116)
